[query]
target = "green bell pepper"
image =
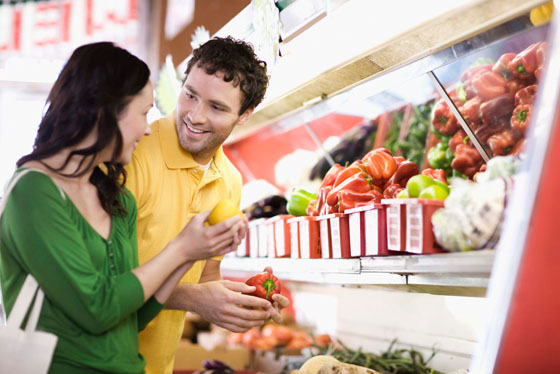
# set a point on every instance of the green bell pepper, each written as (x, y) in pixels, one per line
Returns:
(298, 202)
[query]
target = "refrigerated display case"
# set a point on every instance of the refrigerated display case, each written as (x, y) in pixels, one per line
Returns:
(439, 300)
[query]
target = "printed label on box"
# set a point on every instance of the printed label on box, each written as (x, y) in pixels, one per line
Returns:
(304, 239)
(294, 240)
(394, 227)
(263, 241)
(371, 224)
(270, 248)
(254, 242)
(279, 236)
(414, 229)
(335, 237)
(355, 234)
(324, 228)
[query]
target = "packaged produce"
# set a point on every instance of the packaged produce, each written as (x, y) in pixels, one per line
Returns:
(474, 212)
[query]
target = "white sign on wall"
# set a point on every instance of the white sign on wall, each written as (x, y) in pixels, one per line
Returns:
(47, 28)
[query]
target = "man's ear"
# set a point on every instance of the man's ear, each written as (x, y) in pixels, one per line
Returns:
(245, 116)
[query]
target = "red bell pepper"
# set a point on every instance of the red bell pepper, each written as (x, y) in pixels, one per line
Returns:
(392, 191)
(526, 95)
(358, 183)
(473, 71)
(267, 285)
(502, 142)
(349, 199)
(518, 147)
(501, 66)
(460, 137)
(470, 112)
(520, 118)
(380, 165)
(541, 56)
(443, 119)
(501, 106)
(469, 74)
(354, 168)
(404, 172)
(486, 131)
(438, 174)
(331, 175)
(523, 65)
(467, 160)
(489, 85)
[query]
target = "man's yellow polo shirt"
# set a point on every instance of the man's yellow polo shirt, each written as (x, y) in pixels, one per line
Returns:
(170, 187)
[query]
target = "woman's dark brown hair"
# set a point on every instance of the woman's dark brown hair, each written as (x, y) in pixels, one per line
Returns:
(92, 90)
(239, 64)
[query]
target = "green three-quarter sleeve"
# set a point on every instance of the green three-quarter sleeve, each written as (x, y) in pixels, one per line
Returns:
(46, 242)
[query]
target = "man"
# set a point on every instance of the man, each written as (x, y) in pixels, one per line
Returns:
(181, 170)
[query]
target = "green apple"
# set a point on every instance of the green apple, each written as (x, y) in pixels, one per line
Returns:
(442, 185)
(417, 183)
(434, 192)
(403, 194)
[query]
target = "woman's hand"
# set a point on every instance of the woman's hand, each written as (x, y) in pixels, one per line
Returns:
(199, 241)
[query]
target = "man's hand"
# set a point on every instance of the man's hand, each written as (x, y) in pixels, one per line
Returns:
(279, 302)
(224, 303)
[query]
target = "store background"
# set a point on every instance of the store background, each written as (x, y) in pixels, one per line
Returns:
(37, 36)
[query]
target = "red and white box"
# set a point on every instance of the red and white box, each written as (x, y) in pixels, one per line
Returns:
(294, 237)
(255, 227)
(308, 236)
(339, 234)
(409, 225)
(325, 236)
(279, 236)
(368, 230)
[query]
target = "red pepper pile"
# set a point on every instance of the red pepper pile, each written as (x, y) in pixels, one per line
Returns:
(376, 176)
(499, 102)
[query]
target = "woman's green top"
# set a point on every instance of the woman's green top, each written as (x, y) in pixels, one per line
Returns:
(93, 302)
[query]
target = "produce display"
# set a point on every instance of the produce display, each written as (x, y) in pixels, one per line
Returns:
(266, 285)
(272, 336)
(474, 212)
(377, 175)
(496, 100)
(345, 360)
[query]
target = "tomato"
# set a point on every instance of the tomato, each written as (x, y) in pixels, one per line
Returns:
(250, 336)
(323, 340)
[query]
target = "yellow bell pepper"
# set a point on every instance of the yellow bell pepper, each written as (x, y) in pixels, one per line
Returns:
(542, 14)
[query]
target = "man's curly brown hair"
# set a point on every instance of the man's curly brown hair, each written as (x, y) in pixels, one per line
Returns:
(238, 62)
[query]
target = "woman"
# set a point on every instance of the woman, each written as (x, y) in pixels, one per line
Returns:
(72, 225)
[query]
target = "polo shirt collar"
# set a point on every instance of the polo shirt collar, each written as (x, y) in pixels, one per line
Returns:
(174, 155)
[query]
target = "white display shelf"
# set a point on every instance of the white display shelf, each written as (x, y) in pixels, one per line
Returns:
(449, 273)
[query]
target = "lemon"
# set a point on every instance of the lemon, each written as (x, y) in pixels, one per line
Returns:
(223, 210)
(417, 183)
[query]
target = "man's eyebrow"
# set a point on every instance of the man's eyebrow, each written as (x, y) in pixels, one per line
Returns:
(213, 102)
